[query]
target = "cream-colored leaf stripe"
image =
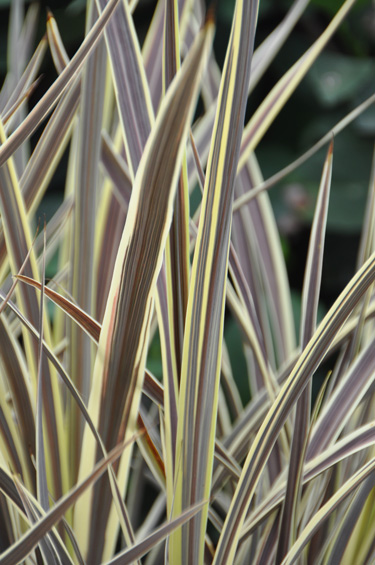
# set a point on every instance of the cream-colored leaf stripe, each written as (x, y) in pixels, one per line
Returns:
(46, 103)
(279, 411)
(177, 271)
(325, 511)
(310, 301)
(205, 314)
(19, 550)
(119, 365)
(272, 104)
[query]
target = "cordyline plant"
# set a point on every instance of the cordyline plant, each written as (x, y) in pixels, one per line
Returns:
(85, 427)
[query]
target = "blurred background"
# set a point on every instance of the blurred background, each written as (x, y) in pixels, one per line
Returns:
(343, 76)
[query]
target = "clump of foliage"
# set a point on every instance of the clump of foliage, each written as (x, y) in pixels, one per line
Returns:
(99, 460)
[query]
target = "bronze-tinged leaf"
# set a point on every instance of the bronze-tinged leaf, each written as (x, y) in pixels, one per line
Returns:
(201, 359)
(120, 360)
(86, 322)
(274, 420)
(46, 103)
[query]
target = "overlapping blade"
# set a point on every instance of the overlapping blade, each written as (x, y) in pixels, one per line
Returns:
(119, 366)
(273, 422)
(205, 314)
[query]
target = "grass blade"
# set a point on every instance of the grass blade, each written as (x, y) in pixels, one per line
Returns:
(46, 103)
(28, 541)
(277, 177)
(174, 286)
(119, 366)
(326, 510)
(128, 556)
(282, 91)
(310, 301)
(205, 314)
(267, 435)
(132, 94)
(85, 205)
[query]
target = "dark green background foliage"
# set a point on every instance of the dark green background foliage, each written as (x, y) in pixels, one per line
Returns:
(341, 78)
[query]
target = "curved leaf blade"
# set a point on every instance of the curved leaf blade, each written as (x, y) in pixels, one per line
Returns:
(205, 313)
(119, 365)
(273, 422)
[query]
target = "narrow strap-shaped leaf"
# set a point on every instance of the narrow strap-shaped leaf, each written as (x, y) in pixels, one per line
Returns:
(333, 132)
(273, 43)
(263, 56)
(326, 510)
(205, 314)
(117, 170)
(46, 103)
(58, 52)
(344, 544)
(310, 300)
(265, 374)
(19, 550)
(20, 41)
(153, 49)
(128, 556)
(170, 377)
(149, 444)
(368, 231)
(274, 420)
(18, 242)
(60, 370)
(129, 78)
(14, 372)
(178, 255)
(85, 206)
(261, 246)
(366, 247)
(41, 474)
(254, 230)
(346, 396)
(24, 96)
(177, 269)
(314, 263)
(84, 320)
(110, 221)
(12, 450)
(119, 366)
(257, 242)
(248, 321)
(26, 81)
(17, 233)
(282, 91)
(346, 447)
(152, 387)
(51, 547)
(22, 28)
(49, 149)
(75, 395)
